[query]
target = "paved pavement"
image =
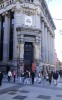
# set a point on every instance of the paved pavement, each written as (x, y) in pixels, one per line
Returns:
(43, 91)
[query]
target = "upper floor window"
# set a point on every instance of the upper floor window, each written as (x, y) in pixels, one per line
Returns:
(29, 0)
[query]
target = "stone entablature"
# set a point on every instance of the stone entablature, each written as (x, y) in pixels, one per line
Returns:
(47, 13)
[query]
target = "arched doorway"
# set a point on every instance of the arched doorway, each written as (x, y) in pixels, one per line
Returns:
(28, 56)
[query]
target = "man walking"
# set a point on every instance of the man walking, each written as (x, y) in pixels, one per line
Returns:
(32, 76)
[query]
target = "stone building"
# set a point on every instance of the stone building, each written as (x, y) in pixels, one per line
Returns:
(26, 35)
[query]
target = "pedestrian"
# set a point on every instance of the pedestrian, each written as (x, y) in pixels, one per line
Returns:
(32, 76)
(39, 77)
(26, 77)
(47, 77)
(55, 77)
(9, 75)
(1, 77)
(22, 77)
(27, 74)
(14, 75)
(50, 76)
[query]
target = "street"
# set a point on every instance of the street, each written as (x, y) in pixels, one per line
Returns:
(43, 91)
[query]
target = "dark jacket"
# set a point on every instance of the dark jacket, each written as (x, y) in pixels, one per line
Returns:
(50, 75)
(55, 75)
(1, 76)
(32, 74)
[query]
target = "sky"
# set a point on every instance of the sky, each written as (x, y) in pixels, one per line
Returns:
(55, 8)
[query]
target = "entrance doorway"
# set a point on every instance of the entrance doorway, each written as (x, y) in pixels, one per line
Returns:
(28, 56)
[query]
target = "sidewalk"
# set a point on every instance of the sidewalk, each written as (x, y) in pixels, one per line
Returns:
(16, 91)
(6, 85)
(43, 83)
(43, 91)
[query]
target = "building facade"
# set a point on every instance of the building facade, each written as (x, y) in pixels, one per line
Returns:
(26, 35)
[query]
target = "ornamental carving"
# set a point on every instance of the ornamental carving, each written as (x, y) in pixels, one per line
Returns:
(28, 11)
(7, 13)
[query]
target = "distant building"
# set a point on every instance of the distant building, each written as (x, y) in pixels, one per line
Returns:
(26, 35)
(58, 63)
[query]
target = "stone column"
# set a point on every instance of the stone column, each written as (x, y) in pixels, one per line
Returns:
(51, 56)
(6, 37)
(40, 44)
(46, 47)
(15, 39)
(49, 47)
(36, 51)
(37, 48)
(21, 52)
(53, 50)
(16, 42)
(22, 48)
(43, 43)
(17, 23)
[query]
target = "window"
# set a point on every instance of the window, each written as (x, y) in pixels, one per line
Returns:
(29, 0)
(1, 38)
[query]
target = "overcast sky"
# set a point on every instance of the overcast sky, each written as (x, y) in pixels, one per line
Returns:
(55, 8)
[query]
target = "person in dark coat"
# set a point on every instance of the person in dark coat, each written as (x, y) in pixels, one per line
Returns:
(26, 74)
(1, 77)
(50, 77)
(32, 76)
(14, 75)
(55, 77)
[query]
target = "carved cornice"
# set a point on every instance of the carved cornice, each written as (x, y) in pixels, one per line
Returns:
(7, 13)
(22, 28)
(28, 11)
(25, 10)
